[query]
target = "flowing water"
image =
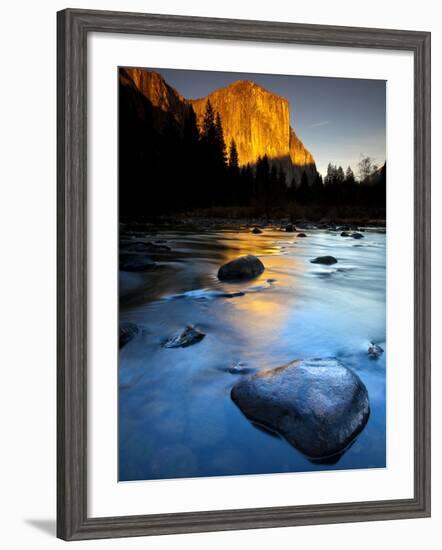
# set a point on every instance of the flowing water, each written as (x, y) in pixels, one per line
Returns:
(176, 417)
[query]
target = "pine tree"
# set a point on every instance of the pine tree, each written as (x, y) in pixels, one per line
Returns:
(208, 128)
(233, 176)
(191, 194)
(328, 180)
(349, 176)
(233, 157)
(210, 158)
(340, 177)
(219, 140)
(190, 130)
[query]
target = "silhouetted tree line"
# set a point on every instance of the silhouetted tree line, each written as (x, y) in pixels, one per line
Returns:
(339, 188)
(169, 165)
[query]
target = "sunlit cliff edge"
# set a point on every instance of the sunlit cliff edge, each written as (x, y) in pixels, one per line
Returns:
(255, 118)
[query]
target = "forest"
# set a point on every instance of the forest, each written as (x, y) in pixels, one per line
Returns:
(169, 167)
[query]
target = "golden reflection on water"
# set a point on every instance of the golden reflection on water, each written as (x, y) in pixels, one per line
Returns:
(243, 243)
(264, 311)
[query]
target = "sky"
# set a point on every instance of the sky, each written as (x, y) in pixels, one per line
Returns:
(337, 119)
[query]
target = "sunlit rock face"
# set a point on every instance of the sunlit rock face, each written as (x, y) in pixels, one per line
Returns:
(257, 119)
(153, 86)
(259, 122)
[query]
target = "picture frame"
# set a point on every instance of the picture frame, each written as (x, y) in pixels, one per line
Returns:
(73, 27)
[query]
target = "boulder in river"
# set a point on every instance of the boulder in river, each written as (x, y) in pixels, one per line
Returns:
(135, 262)
(187, 337)
(301, 235)
(245, 267)
(325, 260)
(256, 230)
(345, 234)
(374, 350)
(357, 235)
(290, 228)
(318, 405)
(127, 332)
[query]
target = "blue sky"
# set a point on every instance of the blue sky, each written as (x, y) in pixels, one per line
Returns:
(337, 119)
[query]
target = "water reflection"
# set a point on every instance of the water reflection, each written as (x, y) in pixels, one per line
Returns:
(176, 418)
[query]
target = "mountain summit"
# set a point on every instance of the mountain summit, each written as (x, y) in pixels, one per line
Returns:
(259, 123)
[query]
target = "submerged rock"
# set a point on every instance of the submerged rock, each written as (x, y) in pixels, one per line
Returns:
(135, 262)
(187, 337)
(318, 405)
(232, 294)
(127, 332)
(301, 235)
(204, 294)
(246, 267)
(256, 230)
(345, 234)
(357, 236)
(239, 367)
(374, 350)
(325, 260)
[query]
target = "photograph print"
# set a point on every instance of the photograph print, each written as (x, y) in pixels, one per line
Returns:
(252, 273)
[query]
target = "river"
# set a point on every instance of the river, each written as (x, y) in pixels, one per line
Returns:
(176, 417)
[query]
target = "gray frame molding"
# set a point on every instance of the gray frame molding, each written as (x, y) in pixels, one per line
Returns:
(73, 26)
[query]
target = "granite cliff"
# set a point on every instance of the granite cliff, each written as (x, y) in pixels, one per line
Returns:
(255, 118)
(259, 122)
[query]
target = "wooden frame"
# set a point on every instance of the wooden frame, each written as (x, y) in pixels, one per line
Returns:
(73, 28)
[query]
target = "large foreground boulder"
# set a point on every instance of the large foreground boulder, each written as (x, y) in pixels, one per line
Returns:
(245, 267)
(318, 405)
